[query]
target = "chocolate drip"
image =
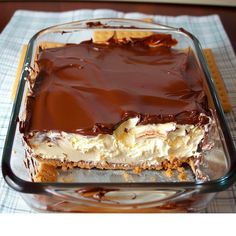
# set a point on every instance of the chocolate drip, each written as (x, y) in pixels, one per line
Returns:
(91, 88)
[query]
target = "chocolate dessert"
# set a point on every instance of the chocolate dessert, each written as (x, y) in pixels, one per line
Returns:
(121, 104)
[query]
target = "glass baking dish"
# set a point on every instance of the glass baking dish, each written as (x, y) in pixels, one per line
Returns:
(94, 190)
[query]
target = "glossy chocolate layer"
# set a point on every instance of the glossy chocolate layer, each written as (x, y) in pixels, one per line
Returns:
(90, 88)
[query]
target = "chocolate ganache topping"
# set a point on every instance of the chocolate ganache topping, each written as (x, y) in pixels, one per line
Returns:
(90, 88)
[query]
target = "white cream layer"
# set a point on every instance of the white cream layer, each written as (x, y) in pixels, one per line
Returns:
(129, 144)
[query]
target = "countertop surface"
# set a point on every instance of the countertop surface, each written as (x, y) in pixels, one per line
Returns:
(227, 14)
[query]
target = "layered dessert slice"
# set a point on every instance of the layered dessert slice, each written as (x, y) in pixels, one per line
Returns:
(130, 103)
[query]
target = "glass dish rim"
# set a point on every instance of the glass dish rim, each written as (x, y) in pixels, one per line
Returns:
(24, 186)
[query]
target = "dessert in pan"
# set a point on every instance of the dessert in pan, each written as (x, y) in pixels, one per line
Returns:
(122, 100)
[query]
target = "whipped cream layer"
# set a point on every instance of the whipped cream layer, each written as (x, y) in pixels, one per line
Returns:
(130, 144)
